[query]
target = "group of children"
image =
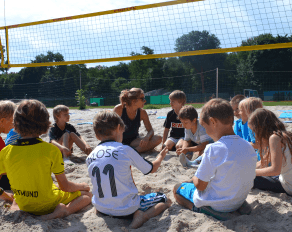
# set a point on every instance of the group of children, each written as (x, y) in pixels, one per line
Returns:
(227, 166)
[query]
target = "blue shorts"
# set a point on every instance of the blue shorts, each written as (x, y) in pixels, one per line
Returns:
(187, 190)
(151, 199)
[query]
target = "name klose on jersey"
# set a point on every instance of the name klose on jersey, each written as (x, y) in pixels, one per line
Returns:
(107, 153)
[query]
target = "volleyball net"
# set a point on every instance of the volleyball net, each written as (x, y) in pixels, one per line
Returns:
(118, 35)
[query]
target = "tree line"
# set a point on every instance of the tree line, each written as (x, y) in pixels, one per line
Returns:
(184, 73)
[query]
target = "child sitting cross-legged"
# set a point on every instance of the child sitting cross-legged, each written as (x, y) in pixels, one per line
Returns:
(226, 173)
(63, 134)
(195, 139)
(29, 163)
(109, 167)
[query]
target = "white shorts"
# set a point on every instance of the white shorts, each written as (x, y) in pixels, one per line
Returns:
(174, 139)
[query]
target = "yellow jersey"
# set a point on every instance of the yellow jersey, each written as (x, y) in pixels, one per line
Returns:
(29, 164)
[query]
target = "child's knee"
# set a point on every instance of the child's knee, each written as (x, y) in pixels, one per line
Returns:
(85, 193)
(175, 188)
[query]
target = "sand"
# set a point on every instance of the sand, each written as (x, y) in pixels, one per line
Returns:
(271, 211)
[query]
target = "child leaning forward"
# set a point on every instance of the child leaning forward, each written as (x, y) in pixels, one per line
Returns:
(226, 173)
(109, 167)
(29, 163)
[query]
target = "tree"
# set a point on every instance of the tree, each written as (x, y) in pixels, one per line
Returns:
(251, 62)
(200, 40)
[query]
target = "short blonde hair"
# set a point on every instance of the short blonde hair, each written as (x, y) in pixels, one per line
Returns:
(179, 96)
(58, 109)
(7, 109)
(251, 104)
(105, 122)
(31, 117)
(127, 96)
(217, 108)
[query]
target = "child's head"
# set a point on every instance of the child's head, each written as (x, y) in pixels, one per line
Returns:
(7, 109)
(235, 103)
(188, 116)
(128, 97)
(265, 123)
(31, 118)
(248, 106)
(59, 110)
(216, 111)
(106, 123)
(177, 99)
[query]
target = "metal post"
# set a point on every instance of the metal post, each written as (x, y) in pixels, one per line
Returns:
(216, 82)
(80, 78)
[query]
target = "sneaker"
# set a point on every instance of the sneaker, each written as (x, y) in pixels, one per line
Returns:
(183, 159)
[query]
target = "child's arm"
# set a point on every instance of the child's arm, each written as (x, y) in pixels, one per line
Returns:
(69, 186)
(184, 148)
(159, 159)
(88, 149)
(276, 158)
(199, 147)
(200, 185)
(165, 134)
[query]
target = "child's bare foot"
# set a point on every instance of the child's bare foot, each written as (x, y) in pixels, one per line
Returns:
(59, 212)
(14, 206)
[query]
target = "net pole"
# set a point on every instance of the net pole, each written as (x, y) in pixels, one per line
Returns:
(217, 77)
(7, 46)
(80, 78)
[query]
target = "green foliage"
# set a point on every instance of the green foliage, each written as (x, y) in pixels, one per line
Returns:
(81, 99)
(153, 106)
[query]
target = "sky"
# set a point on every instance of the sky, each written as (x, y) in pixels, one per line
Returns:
(118, 35)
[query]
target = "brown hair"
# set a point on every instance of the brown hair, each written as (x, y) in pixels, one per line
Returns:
(58, 109)
(7, 109)
(31, 117)
(236, 99)
(188, 112)
(127, 96)
(264, 124)
(251, 104)
(218, 108)
(105, 122)
(179, 96)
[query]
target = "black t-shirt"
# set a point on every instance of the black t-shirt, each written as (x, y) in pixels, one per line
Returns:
(171, 121)
(56, 133)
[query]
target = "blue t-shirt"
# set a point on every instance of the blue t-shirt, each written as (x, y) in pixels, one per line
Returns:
(242, 130)
(12, 136)
(253, 140)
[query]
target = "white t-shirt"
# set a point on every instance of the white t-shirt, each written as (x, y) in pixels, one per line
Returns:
(200, 135)
(229, 166)
(109, 167)
(286, 172)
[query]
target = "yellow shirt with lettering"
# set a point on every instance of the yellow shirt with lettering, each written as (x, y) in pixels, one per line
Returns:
(29, 164)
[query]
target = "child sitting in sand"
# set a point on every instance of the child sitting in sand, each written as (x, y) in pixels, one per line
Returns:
(29, 164)
(240, 127)
(109, 167)
(6, 123)
(276, 141)
(195, 139)
(246, 108)
(177, 101)
(226, 173)
(63, 134)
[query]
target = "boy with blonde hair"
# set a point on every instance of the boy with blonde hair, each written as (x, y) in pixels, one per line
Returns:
(63, 134)
(195, 139)
(29, 164)
(109, 167)
(226, 173)
(7, 109)
(177, 101)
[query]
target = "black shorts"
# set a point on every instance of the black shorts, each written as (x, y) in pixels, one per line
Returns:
(129, 217)
(128, 141)
(4, 183)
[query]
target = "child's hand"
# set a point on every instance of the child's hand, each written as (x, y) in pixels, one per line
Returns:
(84, 187)
(88, 150)
(183, 150)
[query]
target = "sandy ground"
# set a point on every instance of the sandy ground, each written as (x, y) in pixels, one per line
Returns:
(271, 212)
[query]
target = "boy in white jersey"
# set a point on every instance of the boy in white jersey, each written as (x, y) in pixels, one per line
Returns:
(109, 167)
(226, 173)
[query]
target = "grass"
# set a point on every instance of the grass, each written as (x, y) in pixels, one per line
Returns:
(196, 105)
